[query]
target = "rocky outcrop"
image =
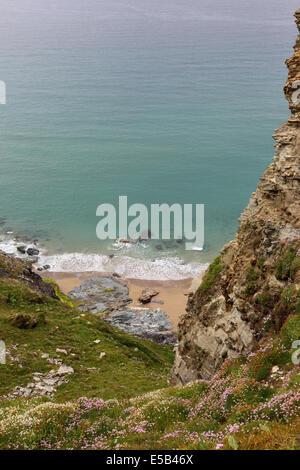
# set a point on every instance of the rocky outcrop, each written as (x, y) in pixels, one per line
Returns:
(145, 323)
(249, 291)
(101, 294)
(146, 295)
(43, 384)
(14, 268)
(109, 299)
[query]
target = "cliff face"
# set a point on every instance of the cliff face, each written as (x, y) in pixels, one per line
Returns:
(254, 286)
(21, 270)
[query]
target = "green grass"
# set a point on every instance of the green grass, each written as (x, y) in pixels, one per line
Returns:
(128, 404)
(252, 275)
(291, 330)
(62, 297)
(233, 409)
(212, 274)
(251, 288)
(131, 366)
(271, 304)
(260, 367)
(261, 262)
(287, 264)
(265, 300)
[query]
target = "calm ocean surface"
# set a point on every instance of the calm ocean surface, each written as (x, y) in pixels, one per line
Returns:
(162, 101)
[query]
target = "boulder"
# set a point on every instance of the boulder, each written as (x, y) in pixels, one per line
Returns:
(23, 321)
(62, 351)
(44, 268)
(147, 295)
(32, 251)
(63, 370)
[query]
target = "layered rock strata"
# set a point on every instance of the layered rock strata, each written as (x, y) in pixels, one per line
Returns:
(244, 295)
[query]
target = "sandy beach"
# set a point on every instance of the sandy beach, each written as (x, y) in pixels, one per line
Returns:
(173, 294)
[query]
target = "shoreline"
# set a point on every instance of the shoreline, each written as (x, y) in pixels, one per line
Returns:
(172, 297)
(166, 266)
(173, 291)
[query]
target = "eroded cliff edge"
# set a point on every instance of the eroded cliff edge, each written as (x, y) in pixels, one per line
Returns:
(254, 285)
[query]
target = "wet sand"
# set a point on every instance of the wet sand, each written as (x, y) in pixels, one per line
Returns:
(173, 294)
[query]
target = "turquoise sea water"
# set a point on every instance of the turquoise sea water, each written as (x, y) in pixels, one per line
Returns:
(162, 101)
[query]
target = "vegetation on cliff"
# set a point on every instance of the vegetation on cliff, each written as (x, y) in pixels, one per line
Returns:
(130, 366)
(243, 407)
(251, 293)
(251, 403)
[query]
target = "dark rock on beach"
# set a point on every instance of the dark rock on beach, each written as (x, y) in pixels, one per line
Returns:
(101, 293)
(151, 324)
(147, 295)
(167, 338)
(108, 298)
(44, 268)
(135, 320)
(33, 251)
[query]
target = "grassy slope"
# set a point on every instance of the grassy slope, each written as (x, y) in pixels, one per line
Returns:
(131, 366)
(236, 410)
(245, 406)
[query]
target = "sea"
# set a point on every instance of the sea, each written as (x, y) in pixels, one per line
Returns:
(163, 101)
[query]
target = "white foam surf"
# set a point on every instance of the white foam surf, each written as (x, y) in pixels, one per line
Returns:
(125, 266)
(163, 269)
(9, 246)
